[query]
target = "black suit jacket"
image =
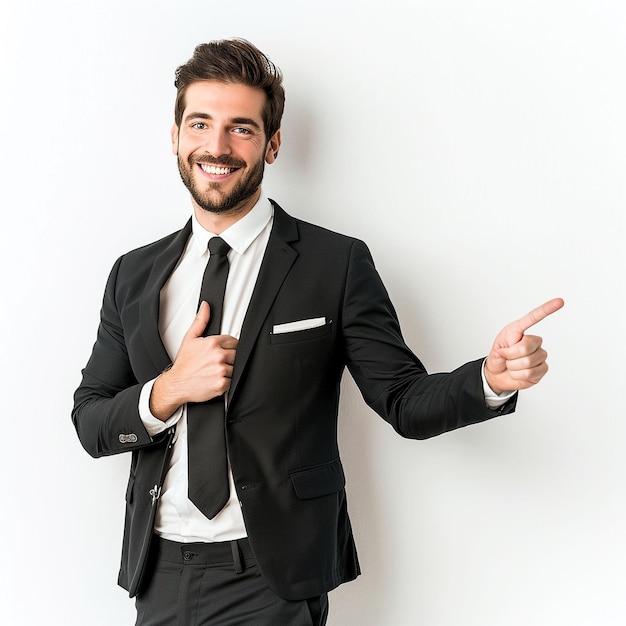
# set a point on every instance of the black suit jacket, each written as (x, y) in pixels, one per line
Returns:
(282, 415)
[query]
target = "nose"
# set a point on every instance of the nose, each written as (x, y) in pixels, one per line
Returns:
(217, 142)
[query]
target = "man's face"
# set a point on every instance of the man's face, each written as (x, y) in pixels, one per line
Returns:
(221, 145)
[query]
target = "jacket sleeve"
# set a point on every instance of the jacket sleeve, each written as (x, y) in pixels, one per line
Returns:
(106, 404)
(390, 377)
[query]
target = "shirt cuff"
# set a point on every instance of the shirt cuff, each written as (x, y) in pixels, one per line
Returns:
(492, 399)
(152, 424)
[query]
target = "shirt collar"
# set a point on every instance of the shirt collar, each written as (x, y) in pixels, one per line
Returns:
(241, 234)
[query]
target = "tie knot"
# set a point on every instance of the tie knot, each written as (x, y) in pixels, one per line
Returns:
(218, 246)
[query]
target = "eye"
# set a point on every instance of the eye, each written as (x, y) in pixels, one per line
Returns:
(242, 131)
(198, 125)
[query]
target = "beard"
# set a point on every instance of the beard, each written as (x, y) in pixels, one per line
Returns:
(212, 198)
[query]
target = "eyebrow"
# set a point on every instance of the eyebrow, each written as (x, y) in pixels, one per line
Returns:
(235, 120)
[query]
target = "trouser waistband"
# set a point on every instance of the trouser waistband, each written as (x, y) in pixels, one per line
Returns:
(236, 552)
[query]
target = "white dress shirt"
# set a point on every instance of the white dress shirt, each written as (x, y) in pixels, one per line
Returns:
(177, 517)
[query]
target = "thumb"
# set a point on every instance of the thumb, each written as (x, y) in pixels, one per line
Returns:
(200, 321)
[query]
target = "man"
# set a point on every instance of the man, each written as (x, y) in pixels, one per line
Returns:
(262, 536)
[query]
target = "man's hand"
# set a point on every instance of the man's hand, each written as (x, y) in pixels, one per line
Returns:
(517, 361)
(201, 370)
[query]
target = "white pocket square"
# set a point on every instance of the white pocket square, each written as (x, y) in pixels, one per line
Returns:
(291, 327)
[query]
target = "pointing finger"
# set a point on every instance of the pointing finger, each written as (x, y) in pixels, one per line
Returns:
(538, 314)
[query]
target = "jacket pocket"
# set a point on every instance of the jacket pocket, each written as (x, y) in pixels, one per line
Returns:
(319, 481)
(301, 335)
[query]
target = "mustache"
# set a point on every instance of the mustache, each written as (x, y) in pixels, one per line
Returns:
(224, 160)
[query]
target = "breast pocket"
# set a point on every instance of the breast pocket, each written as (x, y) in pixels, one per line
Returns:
(304, 334)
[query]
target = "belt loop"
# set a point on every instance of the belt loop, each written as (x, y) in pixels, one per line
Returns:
(238, 563)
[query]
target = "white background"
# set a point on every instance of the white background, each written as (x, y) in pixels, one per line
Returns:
(477, 146)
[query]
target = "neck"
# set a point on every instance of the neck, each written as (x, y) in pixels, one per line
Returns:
(218, 222)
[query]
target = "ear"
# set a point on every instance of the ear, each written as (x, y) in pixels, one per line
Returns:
(174, 134)
(273, 146)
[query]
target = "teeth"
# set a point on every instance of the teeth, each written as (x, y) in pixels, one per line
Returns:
(214, 169)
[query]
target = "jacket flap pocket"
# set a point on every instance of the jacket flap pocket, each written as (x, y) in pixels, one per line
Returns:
(319, 481)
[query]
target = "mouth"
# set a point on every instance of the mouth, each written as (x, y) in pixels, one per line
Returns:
(217, 170)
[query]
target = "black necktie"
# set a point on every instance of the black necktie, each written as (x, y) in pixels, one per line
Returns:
(206, 441)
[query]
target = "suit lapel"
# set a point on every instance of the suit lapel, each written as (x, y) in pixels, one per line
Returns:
(277, 261)
(150, 299)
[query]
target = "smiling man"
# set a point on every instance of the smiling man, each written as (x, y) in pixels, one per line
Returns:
(217, 365)
(221, 156)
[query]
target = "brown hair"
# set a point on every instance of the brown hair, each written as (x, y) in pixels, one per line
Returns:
(234, 61)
